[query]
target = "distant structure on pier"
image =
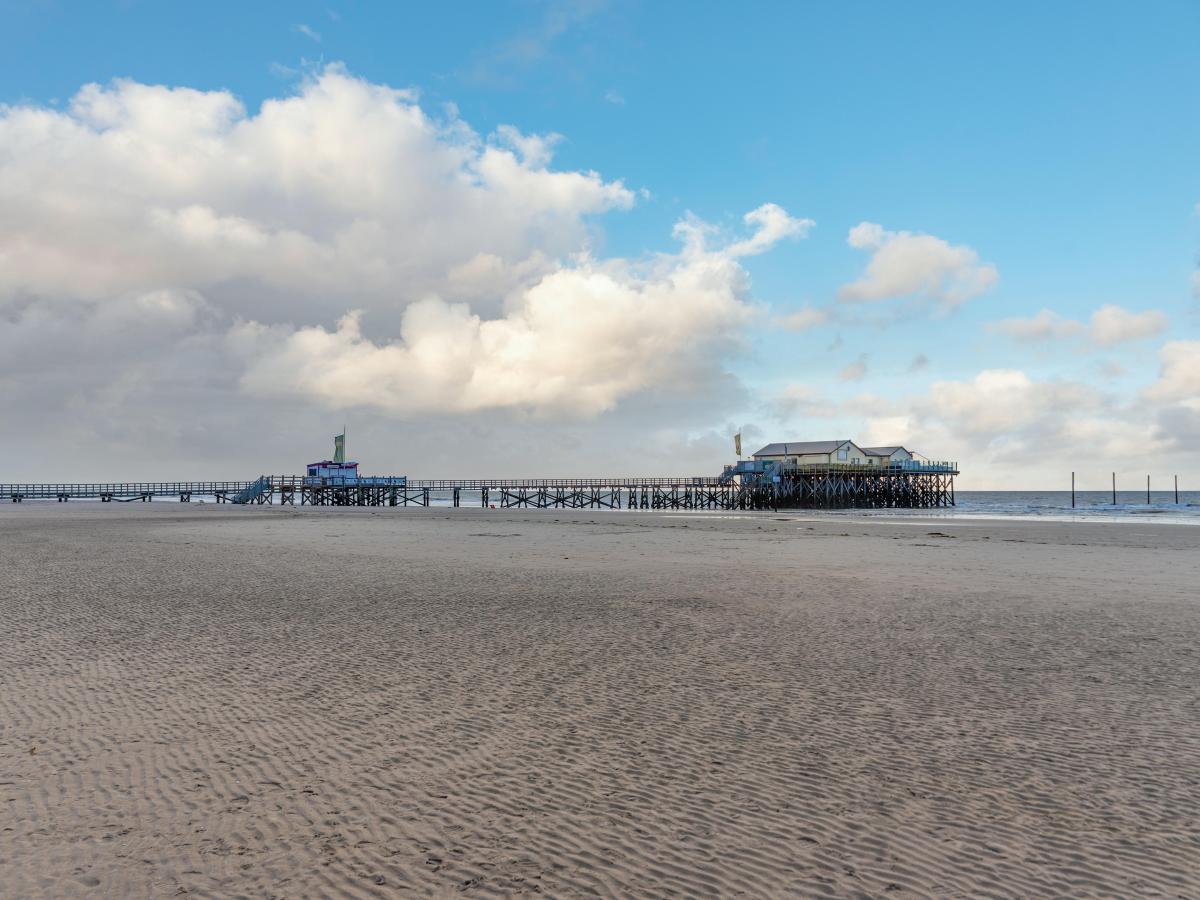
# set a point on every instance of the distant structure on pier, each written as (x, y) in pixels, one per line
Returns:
(841, 473)
(831, 453)
(341, 471)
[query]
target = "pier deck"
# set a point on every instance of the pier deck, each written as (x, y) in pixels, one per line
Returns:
(804, 487)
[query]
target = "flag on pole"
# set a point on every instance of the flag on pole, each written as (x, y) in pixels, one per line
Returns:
(339, 447)
(737, 443)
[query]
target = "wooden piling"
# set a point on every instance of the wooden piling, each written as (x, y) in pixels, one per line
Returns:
(1072, 490)
(1114, 488)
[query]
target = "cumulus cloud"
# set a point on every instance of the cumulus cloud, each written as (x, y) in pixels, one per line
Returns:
(1109, 325)
(804, 319)
(574, 343)
(904, 264)
(1179, 376)
(1175, 397)
(1009, 428)
(284, 200)
(167, 256)
(771, 224)
(1044, 326)
(797, 400)
(855, 371)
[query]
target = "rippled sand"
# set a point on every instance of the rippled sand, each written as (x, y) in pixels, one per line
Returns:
(220, 702)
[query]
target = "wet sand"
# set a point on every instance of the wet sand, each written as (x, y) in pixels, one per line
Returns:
(224, 702)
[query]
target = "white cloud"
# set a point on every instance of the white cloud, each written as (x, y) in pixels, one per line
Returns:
(1009, 429)
(1000, 402)
(1110, 325)
(1046, 325)
(613, 97)
(804, 319)
(771, 224)
(307, 31)
(800, 400)
(217, 200)
(1179, 376)
(904, 264)
(466, 262)
(574, 344)
(534, 150)
(855, 371)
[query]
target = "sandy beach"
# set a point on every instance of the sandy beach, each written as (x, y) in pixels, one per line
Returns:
(251, 702)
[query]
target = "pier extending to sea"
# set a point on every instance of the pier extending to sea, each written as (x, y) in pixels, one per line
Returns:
(802, 487)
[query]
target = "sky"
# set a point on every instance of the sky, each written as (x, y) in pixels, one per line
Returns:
(526, 238)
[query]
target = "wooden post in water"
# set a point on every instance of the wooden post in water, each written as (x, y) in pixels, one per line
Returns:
(1114, 488)
(1147, 490)
(1072, 490)
(1176, 490)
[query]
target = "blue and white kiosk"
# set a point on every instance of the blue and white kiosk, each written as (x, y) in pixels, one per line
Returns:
(339, 470)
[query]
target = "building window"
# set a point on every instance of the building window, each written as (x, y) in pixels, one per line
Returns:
(843, 455)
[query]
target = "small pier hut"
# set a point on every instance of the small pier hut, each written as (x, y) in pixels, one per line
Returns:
(328, 468)
(341, 477)
(337, 470)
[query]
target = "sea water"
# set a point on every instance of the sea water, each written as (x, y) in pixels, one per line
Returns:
(1131, 506)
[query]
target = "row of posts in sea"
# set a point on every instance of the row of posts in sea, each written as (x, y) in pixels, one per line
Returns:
(816, 487)
(1114, 490)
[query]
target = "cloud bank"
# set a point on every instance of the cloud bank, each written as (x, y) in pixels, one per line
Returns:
(904, 264)
(191, 288)
(1110, 325)
(174, 262)
(572, 344)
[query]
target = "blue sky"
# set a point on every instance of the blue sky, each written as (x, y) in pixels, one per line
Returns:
(1058, 143)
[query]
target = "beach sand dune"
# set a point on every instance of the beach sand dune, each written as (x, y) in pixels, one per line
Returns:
(226, 702)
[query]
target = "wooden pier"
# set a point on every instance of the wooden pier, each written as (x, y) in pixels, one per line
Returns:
(804, 487)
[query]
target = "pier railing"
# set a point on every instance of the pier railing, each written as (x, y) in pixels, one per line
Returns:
(123, 489)
(911, 483)
(475, 484)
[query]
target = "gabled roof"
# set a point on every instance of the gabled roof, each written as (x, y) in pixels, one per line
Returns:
(800, 448)
(883, 451)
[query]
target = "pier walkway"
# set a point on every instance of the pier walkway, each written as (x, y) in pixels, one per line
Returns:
(803, 487)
